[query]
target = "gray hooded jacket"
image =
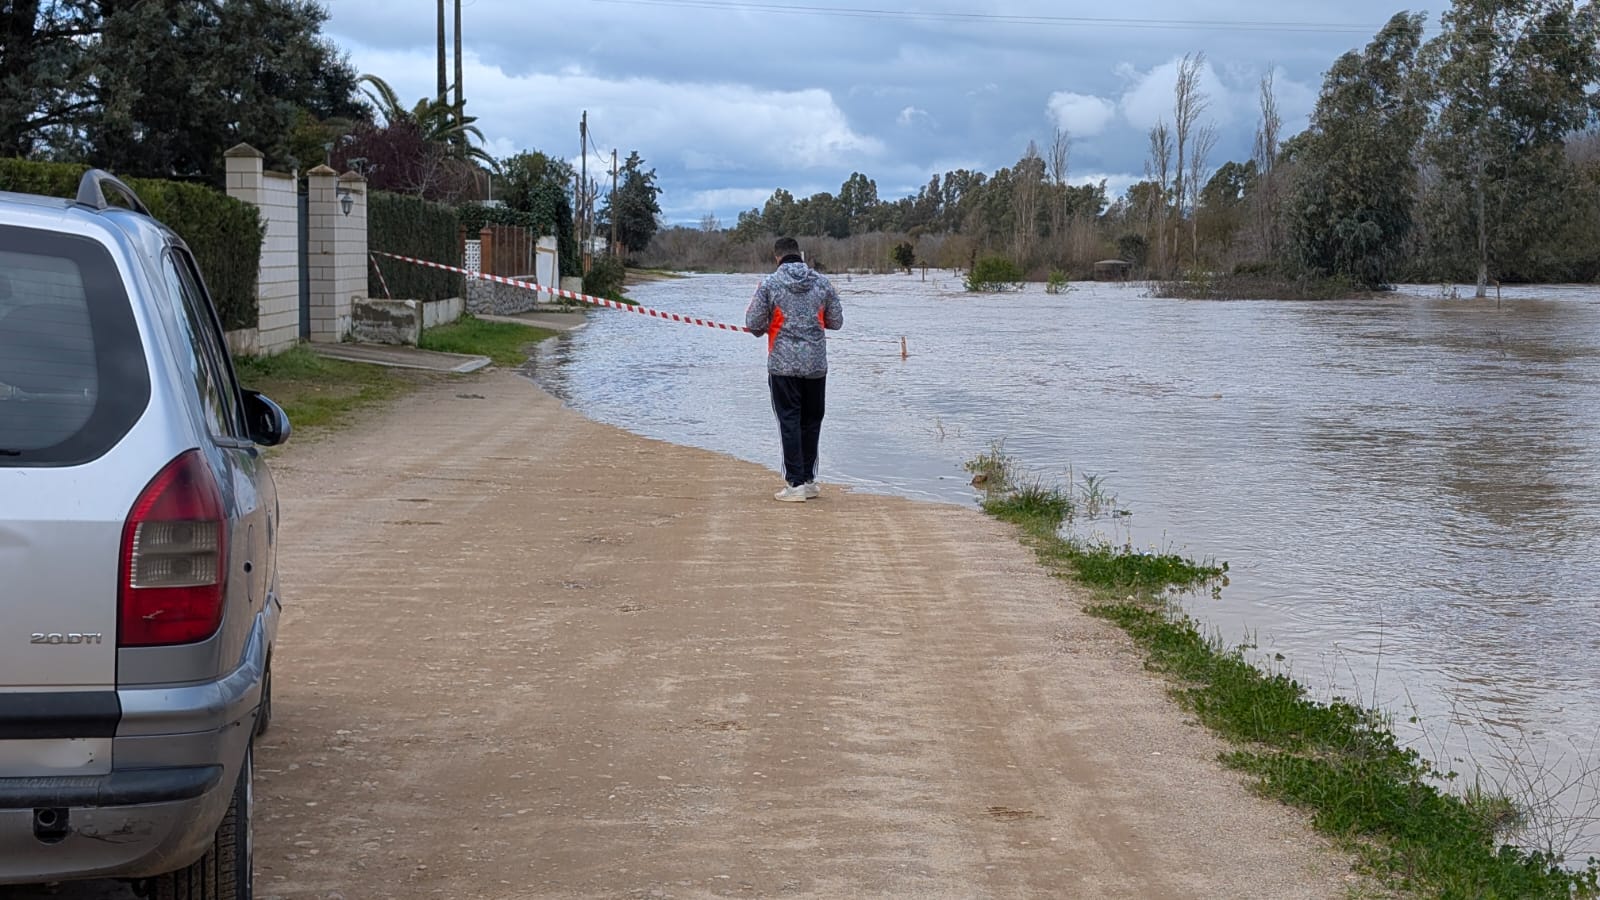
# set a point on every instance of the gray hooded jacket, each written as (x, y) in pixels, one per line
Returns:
(791, 307)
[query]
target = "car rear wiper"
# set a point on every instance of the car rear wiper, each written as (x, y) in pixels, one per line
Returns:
(7, 452)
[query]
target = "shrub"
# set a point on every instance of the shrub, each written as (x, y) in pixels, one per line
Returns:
(904, 256)
(1133, 248)
(994, 273)
(1057, 283)
(418, 228)
(1202, 286)
(605, 277)
(224, 234)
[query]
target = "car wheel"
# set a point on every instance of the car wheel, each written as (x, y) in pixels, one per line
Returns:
(226, 871)
(264, 712)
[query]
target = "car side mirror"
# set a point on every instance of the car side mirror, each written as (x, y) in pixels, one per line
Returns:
(268, 423)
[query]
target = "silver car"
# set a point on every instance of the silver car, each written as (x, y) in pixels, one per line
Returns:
(138, 589)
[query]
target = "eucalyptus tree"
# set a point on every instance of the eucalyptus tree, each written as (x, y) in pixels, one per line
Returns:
(1356, 174)
(1510, 80)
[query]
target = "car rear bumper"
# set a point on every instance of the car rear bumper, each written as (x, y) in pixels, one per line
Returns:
(132, 787)
(128, 824)
(159, 807)
(133, 841)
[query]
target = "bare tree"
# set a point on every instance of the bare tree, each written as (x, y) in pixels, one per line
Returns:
(1029, 177)
(1188, 102)
(1266, 159)
(1205, 140)
(1060, 156)
(1158, 169)
(709, 223)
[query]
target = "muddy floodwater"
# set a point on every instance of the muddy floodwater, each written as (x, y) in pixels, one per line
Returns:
(1406, 489)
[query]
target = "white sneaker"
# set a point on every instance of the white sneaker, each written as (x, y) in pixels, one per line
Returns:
(812, 491)
(792, 494)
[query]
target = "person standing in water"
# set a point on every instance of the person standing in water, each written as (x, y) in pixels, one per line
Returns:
(792, 307)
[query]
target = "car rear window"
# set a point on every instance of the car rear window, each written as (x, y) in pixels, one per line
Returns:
(72, 372)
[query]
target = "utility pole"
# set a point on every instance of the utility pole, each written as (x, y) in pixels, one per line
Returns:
(583, 188)
(613, 245)
(440, 94)
(461, 103)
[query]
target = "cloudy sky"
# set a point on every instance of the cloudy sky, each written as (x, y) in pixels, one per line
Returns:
(730, 99)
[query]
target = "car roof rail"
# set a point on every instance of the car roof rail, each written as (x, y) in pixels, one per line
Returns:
(92, 191)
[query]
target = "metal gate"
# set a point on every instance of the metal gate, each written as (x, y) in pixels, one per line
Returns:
(305, 264)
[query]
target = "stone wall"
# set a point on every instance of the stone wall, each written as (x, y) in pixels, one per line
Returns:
(492, 299)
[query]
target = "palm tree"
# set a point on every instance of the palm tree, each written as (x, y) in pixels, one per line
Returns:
(439, 120)
(384, 100)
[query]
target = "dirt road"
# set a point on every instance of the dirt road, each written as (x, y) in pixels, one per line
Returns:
(527, 655)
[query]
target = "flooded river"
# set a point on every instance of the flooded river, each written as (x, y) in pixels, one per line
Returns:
(1407, 489)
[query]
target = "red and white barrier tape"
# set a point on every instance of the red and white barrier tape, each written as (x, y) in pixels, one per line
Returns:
(571, 295)
(381, 280)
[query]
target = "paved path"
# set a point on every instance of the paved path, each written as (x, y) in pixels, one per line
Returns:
(527, 655)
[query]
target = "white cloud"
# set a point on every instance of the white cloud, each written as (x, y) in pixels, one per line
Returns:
(1296, 100)
(1232, 97)
(1083, 115)
(708, 124)
(728, 198)
(894, 101)
(911, 115)
(1117, 183)
(1148, 99)
(500, 147)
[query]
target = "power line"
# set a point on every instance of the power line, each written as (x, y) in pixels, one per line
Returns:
(1003, 19)
(1255, 25)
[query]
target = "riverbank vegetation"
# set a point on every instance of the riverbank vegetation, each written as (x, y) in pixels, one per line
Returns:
(1339, 761)
(1470, 156)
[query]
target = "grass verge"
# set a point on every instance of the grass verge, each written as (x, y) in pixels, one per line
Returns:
(1338, 761)
(318, 392)
(503, 342)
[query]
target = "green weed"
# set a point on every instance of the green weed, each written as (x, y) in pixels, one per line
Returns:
(991, 470)
(505, 343)
(317, 392)
(1032, 504)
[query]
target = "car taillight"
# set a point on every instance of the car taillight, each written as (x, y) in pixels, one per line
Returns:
(173, 550)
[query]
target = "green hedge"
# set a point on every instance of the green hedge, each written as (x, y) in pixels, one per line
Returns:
(417, 228)
(474, 216)
(225, 234)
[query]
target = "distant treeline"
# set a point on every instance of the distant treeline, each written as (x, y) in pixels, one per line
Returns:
(1472, 156)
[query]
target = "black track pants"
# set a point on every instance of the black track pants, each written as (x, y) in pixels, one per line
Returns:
(799, 404)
